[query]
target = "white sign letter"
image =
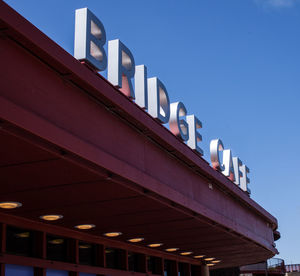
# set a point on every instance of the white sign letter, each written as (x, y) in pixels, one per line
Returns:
(194, 135)
(90, 37)
(121, 67)
(178, 127)
(158, 100)
(140, 86)
(228, 164)
(237, 163)
(215, 147)
(244, 180)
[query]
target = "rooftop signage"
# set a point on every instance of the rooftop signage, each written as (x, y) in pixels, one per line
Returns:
(149, 93)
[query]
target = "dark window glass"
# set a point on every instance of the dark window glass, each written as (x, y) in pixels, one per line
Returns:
(115, 258)
(235, 271)
(183, 269)
(87, 253)
(56, 248)
(154, 265)
(19, 241)
(99, 255)
(54, 272)
(136, 262)
(169, 268)
(195, 270)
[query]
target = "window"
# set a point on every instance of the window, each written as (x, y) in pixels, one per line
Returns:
(170, 268)
(19, 241)
(17, 270)
(136, 262)
(154, 265)
(52, 272)
(115, 258)
(183, 269)
(87, 254)
(195, 270)
(56, 248)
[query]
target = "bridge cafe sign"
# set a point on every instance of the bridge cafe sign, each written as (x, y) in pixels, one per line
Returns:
(149, 93)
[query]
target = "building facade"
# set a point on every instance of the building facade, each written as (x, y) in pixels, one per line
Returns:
(292, 269)
(271, 267)
(93, 185)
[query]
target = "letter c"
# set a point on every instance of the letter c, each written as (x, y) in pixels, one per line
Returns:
(215, 147)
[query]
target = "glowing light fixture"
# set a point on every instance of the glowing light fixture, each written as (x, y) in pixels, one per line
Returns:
(10, 205)
(186, 253)
(209, 259)
(153, 245)
(210, 264)
(199, 256)
(51, 217)
(172, 249)
(216, 261)
(136, 240)
(85, 226)
(112, 234)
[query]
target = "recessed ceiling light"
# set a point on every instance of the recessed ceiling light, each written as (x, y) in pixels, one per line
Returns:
(210, 264)
(112, 234)
(10, 204)
(186, 253)
(172, 249)
(155, 245)
(216, 261)
(209, 259)
(136, 240)
(85, 226)
(199, 256)
(51, 217)
(56, 241)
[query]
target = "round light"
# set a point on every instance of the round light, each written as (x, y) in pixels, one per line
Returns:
(210, 264)
(112, 234)
(209, 259)
(172, 249)
(85, 226)
(216, 261)
(10, 205)
(136, 240)
(199, 256)
(51, 217)
(155, 245)
(186, 253)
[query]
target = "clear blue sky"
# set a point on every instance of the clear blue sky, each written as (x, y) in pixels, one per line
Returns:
(235, 65)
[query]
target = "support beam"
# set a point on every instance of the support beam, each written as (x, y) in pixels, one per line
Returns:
(2, 269)
(204, 270)
(39, 247)
(2, 237)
